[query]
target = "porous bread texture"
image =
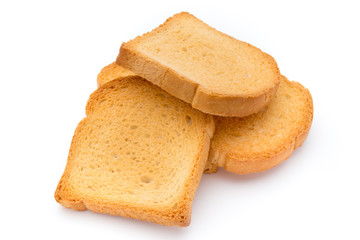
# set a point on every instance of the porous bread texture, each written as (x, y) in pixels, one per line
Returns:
(214, 72)
(263, 140)
(112, 72)
(139, 153)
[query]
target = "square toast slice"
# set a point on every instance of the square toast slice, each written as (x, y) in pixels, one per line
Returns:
(139, 153)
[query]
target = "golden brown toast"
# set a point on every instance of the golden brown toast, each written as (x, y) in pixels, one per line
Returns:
(139, 153)
(216, 73)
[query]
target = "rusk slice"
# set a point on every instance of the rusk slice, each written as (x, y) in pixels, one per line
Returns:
(112, 72)
(192, 61)
(139, 153)
(263, 140)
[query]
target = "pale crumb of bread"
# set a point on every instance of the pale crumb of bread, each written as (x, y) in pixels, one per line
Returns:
(139, 153)
(214, 72)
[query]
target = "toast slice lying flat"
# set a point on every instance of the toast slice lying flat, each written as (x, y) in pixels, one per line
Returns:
(262, 140)
(192, 61)
(139, 153)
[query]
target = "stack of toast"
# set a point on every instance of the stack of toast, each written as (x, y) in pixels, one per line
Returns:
(179, 101)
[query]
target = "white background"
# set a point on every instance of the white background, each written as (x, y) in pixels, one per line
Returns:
(50, 54)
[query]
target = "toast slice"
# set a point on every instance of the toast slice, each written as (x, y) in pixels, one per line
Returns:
(139, 153)
(192, 61)
(112, 72)
(262, 140)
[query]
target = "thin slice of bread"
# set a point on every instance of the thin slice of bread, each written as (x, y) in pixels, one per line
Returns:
(139, 153)
(112, 72)
(262, 140)
(192, 61)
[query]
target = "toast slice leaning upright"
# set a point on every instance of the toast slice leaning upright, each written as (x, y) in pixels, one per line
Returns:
(139, 153)
(192, 61)
(262, 140)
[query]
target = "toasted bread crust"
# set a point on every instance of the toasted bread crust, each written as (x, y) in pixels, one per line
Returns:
(237, 106)
(188, 90)
(68, 196)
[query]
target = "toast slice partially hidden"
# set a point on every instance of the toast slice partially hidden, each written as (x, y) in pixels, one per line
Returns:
(139, 153)
(112, 72)
(262, 140)
(192, 61)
